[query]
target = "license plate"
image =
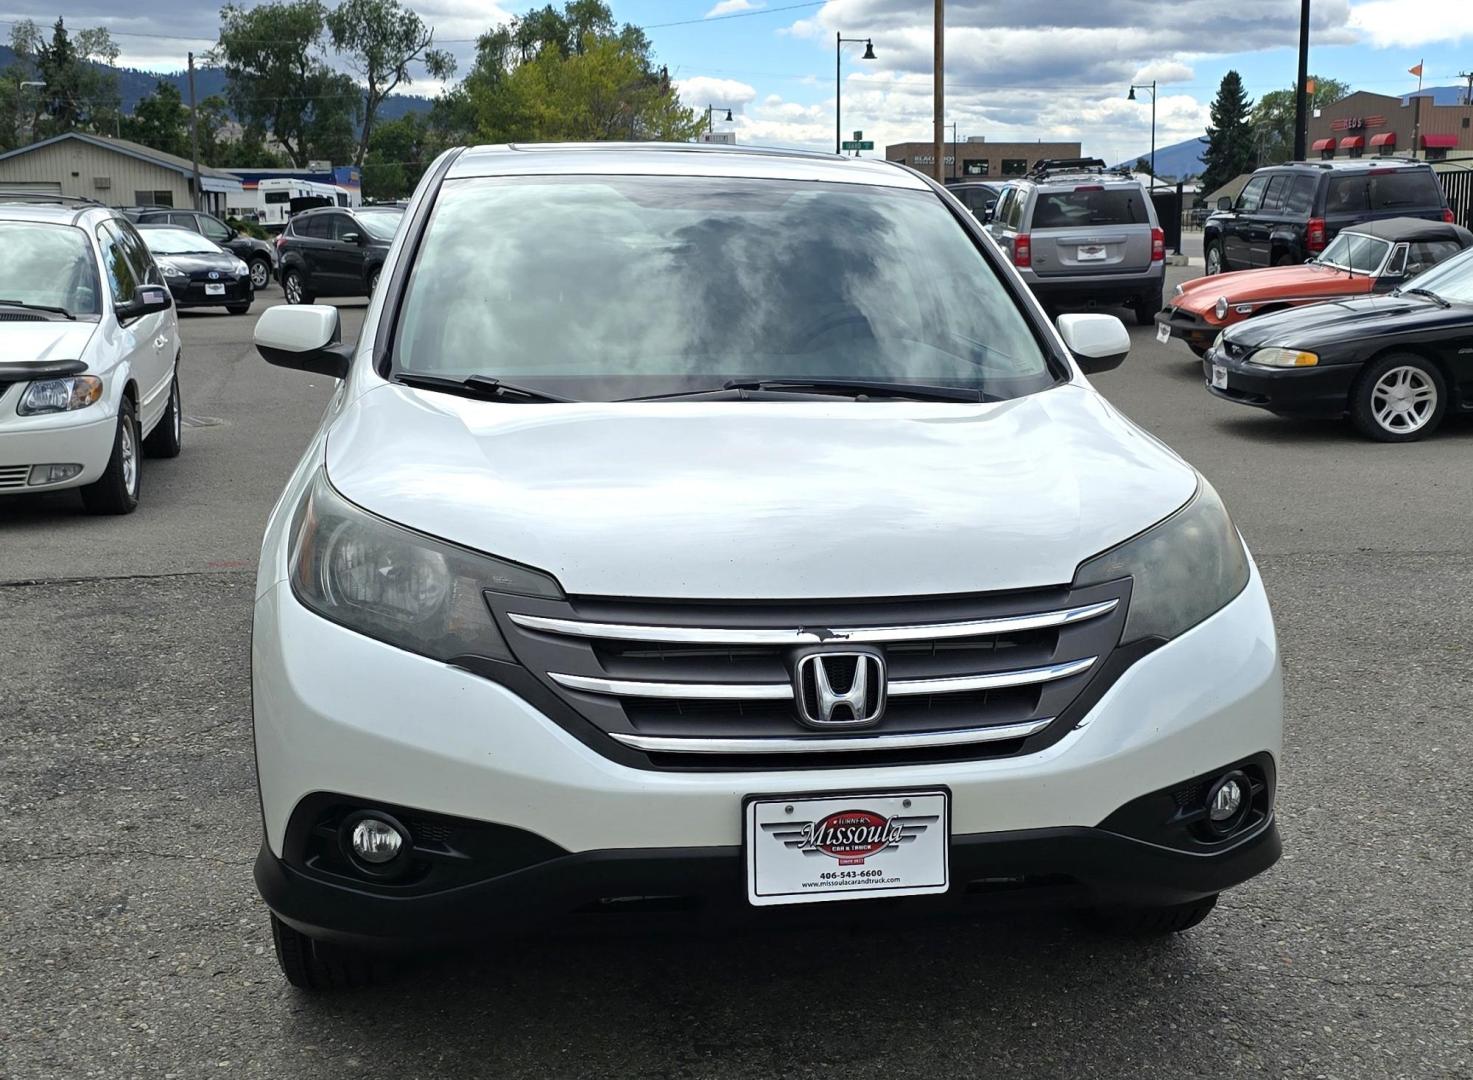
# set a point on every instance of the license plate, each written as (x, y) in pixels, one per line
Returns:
(214, 289)
(806, 849)
(1219, 376)
(1163, 333)
(1091, 253)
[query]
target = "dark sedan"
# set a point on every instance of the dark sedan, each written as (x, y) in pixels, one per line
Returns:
(198, 272)
(1394, 364)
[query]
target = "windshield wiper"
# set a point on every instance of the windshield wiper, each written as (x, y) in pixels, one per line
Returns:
(482, 387)
(1429, 294)
(39, 307)
(861, 387)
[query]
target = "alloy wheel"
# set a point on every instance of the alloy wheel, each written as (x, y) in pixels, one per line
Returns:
(1214, 261)
(293, 289)
(175, 409)
(1403, 400)
(260, 274)
(130, 458)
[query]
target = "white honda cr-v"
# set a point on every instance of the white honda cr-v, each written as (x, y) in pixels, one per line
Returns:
(707, 527)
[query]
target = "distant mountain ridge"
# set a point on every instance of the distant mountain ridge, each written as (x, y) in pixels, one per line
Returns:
(134, 85)
(1179, 160)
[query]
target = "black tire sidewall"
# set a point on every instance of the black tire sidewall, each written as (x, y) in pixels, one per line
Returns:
(109, 493)
(167, 438)
(1364, 418)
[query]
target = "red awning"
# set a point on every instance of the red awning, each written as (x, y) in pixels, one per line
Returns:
(1323, 144)
(1439, 142)
(1353, 142)
(1386, 138)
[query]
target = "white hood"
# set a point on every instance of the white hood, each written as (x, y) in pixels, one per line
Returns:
(764, 500)
(35, 342)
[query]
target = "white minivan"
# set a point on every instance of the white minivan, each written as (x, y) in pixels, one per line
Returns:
(89, 353)
(718, 529)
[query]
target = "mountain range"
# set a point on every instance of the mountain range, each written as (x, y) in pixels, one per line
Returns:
(134, 85)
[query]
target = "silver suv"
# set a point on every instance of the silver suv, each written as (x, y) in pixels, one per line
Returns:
(1082, 235)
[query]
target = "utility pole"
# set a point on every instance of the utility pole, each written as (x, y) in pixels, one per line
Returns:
(939, 134)
(194, 135)
(1468, 97)
(1301, 94)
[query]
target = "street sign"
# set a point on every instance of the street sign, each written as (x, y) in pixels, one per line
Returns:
(858, 135)
(859, 144)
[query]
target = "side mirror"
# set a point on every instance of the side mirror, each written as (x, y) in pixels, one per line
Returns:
(147, 300)
(1098, 342)
(989, 213)
(307, 337)
(352, 238)
(1224, 203)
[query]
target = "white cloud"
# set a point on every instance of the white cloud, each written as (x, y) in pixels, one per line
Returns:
(730, 7)
(1400, 23)
(698, 91)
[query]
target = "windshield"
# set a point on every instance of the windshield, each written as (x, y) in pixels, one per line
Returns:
(381, 224)
(1355, 251)
(614, 287)
(177, 242)
(48, 266)
(1451, 280)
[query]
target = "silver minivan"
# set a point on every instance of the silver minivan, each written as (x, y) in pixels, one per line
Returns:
(1083, 236)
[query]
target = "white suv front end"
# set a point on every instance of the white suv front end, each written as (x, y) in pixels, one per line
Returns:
(673, 631)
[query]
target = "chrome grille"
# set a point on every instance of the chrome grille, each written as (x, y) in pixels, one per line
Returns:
(14, 476)
(970, 675)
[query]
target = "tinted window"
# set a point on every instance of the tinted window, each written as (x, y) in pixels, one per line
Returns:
(1300, 199)
(317, 227)
(340, 225)
(122, 279)
(50, 265)
(682, 283)
(1372, 192)
(138, 253)
(1089, 205)
(1273, 195)
(272, 197)
(1015, 211)
(380, 224)
(1252, 194)
(215, 230)
(1004, 206)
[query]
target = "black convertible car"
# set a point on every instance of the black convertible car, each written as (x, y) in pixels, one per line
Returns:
(1394, 364)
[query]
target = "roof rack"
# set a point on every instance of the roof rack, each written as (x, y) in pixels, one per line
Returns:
(1050, 166)
(47, 197)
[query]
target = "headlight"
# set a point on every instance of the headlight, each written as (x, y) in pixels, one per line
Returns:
(60, 395)
(397, 585)
(170, 270)
(1221, 307)
(1217, 341)
(1182, 570)
(1284, 358)
(241, 268)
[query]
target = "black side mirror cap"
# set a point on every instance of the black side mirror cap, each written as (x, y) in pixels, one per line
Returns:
(1224, 203)
(147, 299)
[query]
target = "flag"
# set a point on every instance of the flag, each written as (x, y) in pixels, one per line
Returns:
(1417, 71)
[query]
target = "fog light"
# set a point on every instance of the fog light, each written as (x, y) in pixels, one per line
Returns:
(1227, 800)
(376, 841)
(52, 474)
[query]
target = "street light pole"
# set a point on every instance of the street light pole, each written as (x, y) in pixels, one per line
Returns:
(869, 54)
(939, 93)
(1151, 86)
(710, 120)
(19, 90)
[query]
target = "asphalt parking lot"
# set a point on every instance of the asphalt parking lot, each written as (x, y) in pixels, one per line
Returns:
(134, 944)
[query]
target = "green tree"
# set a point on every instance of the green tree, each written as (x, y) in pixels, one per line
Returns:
(380, 39)
(1273, 118)
(279, 82)
(566, 74)
(161, 121)
(1230, 138)
(81, 91)
(1142, 165)
(398, 155)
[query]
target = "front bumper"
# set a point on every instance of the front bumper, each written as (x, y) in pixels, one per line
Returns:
(188, 294)
(82, 438)
(1319, 391)
(338, 712)
(1189, 327)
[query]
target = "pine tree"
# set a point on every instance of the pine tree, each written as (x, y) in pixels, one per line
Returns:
(1230, 147)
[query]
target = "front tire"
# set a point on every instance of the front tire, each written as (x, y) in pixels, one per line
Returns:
(237, 309)
(1150, 921)
(295, 288)
(1216, 260)
(317, 965)
(116, 490)
(1399, 398)
(166, 440)
(260, 273)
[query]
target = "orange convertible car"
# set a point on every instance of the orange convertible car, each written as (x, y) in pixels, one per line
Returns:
(1373, 257)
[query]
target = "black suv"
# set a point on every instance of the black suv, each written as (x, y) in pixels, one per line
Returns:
(259, 255)
(1288, 213)
(335, 252)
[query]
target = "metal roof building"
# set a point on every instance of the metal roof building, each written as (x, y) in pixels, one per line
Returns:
(112, 171)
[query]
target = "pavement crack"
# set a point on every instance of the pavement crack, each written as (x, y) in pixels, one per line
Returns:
(22, 583)
(135, 853)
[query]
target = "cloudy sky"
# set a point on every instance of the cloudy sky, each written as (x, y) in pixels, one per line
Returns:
(1015, 70)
